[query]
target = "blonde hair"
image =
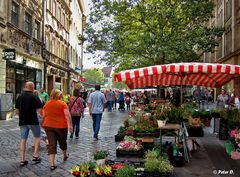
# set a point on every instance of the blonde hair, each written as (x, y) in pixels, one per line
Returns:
(56, 94)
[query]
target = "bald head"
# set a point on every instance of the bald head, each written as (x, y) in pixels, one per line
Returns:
(29, 86)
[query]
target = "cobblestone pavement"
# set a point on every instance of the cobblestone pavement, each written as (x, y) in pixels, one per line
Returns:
(79, 149)
(203, 162)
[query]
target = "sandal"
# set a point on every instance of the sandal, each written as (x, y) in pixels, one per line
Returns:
(65, 158)
(23, 163)
(36, 159)
(53, 167)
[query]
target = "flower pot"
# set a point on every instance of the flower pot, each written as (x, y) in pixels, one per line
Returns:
(161, 123)
(100, 161)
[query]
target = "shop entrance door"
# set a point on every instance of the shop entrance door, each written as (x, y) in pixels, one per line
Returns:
(19, 81)
(50, 84)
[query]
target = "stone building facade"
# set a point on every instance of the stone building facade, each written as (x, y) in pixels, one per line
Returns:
(20, 29)
(227, 15)
(76, 45)
(57, 27)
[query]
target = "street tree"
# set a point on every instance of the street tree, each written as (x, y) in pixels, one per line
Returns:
(138, 33)
(94, 76)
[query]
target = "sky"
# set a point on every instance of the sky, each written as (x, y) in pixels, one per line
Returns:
(87, 64)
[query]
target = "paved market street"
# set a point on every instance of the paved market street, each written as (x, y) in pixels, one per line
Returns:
(209, 157)
(79, 149)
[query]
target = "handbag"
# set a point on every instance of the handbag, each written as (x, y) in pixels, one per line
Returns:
(73, 104)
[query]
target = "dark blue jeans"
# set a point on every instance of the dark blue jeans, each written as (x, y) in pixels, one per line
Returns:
(96, 124)
(76, 125)
(110, 105)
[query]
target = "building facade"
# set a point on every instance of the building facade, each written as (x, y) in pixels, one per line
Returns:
(108, 72)
(227, 15)
(57, 26)
(76, 45)
(20, 29)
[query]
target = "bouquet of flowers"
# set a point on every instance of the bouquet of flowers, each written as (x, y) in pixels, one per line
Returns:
(236, 135)
(130, 143)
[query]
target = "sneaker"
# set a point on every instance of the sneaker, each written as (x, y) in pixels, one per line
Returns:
(77, 137)
(96, 138)
(71, 136)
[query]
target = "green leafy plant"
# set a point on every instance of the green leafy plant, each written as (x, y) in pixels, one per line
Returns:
(101, 154)
(121, 131)
(156, 163)
(162, 112)
(126, 171)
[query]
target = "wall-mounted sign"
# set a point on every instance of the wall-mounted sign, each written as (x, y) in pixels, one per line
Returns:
(53, 71)
(9, 54)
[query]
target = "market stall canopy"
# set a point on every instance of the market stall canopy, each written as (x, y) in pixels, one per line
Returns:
(198, 74)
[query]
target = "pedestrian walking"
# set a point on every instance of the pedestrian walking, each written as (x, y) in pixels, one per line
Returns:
(114, 100)
(43, 95)
(57, 122)
(128, 102)
(76, 109)
(234, 100)
(66, 97)
(222, 99)
(27, 105)
(121, 99)
(43, 135)
(96, 103)
(110, 99)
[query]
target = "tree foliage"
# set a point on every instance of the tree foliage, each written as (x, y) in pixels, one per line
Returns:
(137, 33)
(94, 76)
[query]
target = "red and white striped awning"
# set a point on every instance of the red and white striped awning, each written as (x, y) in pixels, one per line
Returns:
(199, 74)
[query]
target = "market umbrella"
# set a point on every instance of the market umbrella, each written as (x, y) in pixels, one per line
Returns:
(197, 74)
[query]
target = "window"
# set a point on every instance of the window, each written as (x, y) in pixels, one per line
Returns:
(14, 13)
(47, 43)
(228, 41)
(59, 14)
(228, 9)
(63, 20)
(219, 3)
(54, 8)
(38, 79)
(53, 45)
(28, 24)
(37, 30)
(58, 49)
(220, 19)
(219, 48)
(49, 5)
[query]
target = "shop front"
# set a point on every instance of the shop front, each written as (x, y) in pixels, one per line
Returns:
(57, 79)
(21, 70)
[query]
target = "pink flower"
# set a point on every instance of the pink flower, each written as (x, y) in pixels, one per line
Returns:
(234, 133)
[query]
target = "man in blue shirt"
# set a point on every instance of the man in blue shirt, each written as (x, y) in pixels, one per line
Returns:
(96, 103)
(110, 99)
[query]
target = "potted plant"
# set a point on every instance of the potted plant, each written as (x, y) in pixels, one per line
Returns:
(103, 170)
(156, 165)
(100, 156)
(121, 133)
(126, 171)
(82, 170)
